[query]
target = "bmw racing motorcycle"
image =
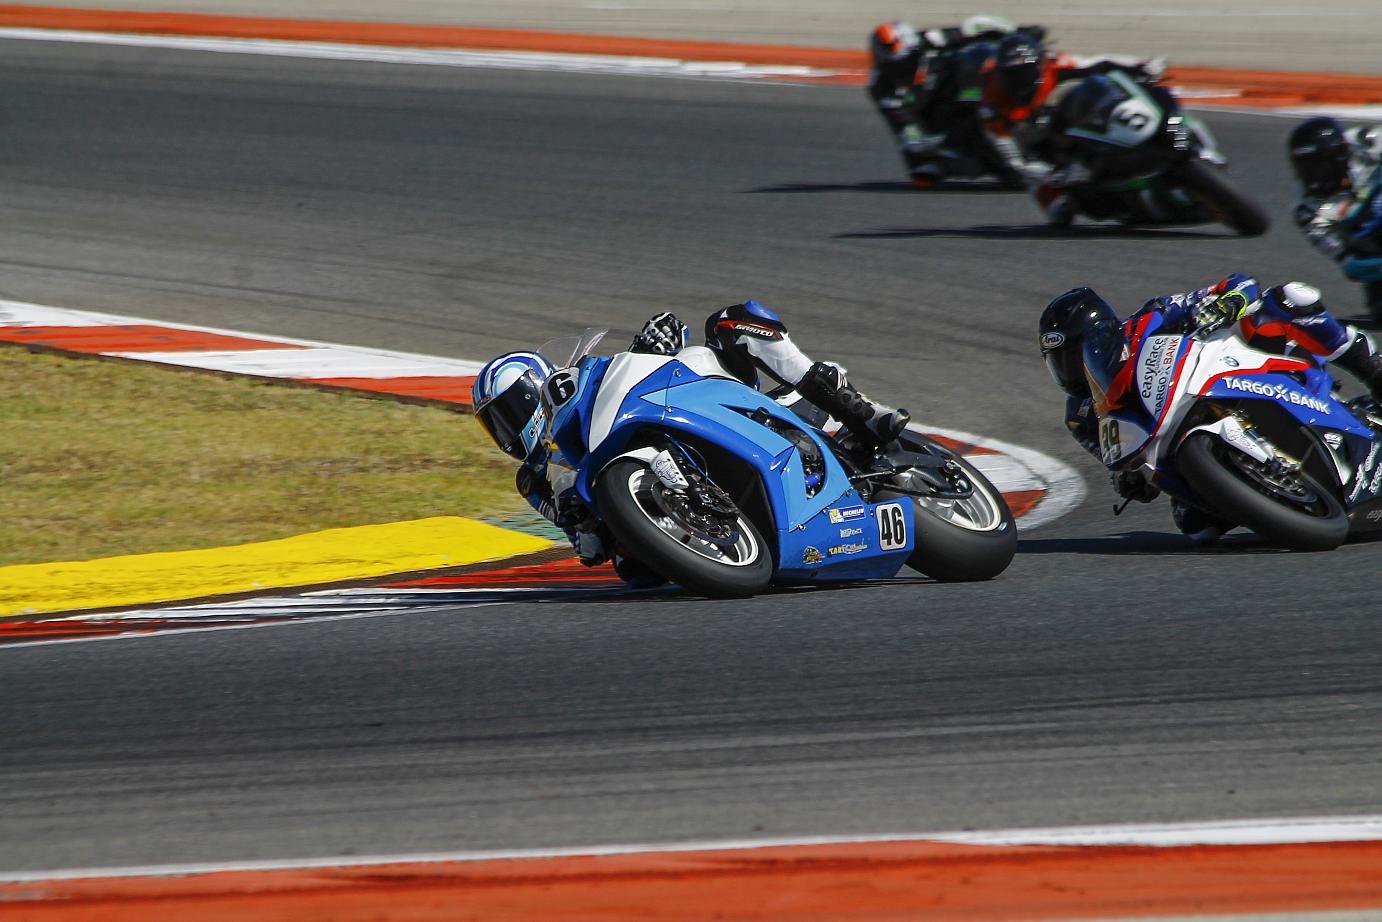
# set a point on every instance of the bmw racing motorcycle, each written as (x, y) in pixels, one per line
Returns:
(1158, 165)
(1252, 438)
(723, 490)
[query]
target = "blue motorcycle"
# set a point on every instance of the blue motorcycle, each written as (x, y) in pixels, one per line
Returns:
(724, 491)
(1249, 437)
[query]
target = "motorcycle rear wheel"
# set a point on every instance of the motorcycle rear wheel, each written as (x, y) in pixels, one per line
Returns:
(660, 543)
(960, 540)
(1319, 525)
(1232, 207)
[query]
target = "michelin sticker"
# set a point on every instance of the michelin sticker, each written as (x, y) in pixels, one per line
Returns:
(840, 516)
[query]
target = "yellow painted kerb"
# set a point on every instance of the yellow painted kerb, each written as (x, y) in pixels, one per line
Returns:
(321, 557)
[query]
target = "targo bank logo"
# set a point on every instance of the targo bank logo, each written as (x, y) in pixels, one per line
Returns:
(1279, 391)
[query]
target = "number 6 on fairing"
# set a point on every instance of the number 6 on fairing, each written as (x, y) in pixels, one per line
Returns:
(892, 527)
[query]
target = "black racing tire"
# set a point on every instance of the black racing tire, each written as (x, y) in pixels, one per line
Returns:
(1232, 207)
(953, 553)
(664, 554)
(1239, 501)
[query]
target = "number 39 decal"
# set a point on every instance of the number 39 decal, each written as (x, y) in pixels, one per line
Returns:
(892, 527)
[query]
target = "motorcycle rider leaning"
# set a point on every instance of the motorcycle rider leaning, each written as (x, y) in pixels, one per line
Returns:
(915, 87)
(1026, 92)
(751, 343)
(1340, 207)
(1085, 346)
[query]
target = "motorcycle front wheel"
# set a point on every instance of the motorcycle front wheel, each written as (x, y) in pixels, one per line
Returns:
(676, 549)
(1303, 516)
(1240, 213)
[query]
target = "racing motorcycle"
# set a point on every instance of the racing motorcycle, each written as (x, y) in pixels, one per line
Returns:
(1249, 437)
(949, 99)
(723, 490)
(1158, 165)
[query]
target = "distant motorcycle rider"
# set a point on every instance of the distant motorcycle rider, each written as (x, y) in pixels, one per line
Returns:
(1340, 207)
(1025, 92)
(916, 85)
(752, 344)
(1090, 353)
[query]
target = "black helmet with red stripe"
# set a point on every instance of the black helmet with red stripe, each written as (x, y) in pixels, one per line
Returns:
(1068, 321)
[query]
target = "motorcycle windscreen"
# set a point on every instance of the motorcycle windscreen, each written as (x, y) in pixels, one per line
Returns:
(1105, 352)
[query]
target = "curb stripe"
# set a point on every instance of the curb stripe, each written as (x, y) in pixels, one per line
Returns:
(1254, 89)
(131, 338)
(935, 880)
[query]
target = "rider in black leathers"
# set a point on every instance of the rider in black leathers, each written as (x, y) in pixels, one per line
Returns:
(923, 83)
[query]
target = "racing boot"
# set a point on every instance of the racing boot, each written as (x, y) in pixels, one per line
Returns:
(1055, 203)
(635, 575)
(872, 424)
(1361, 360)
(1197, 525)
(925, 156)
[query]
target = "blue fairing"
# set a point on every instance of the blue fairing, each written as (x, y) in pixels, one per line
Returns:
(674, 399)
(1312, 403)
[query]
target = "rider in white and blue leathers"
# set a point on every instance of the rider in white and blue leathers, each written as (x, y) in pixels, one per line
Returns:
(752, 344)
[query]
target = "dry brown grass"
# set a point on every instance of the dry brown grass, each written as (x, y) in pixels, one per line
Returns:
(101, 458)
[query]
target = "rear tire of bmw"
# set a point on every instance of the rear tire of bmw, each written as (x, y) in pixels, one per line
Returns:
(627, 507)
(1320, 528)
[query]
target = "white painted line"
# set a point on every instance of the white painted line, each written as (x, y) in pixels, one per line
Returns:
(183, 631)
(22, 314)
(1159, 835)
(309, 362)
(381, 54)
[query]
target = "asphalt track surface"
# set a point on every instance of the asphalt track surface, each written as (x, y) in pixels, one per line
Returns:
(1113, 674)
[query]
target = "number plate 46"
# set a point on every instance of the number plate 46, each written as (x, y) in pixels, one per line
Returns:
(892, 527)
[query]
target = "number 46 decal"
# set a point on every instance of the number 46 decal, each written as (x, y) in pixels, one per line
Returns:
(892, 527)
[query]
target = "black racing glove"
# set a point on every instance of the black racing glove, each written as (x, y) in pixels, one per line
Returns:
(1220, 312)
(1132, 485)
(662, 335)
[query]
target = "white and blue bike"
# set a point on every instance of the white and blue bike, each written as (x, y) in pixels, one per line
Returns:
(724, 491)
(1249, 437)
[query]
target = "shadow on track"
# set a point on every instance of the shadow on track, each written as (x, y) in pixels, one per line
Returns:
(1150, 543)
(975, 187)
(1036, 232)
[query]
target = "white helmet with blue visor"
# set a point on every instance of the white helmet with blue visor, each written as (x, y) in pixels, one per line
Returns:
(507, 396)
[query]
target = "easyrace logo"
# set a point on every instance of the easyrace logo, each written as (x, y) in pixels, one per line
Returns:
(1157, 371)
(1278, 391)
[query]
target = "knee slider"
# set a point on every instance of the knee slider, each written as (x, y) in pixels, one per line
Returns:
(1297, 298)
